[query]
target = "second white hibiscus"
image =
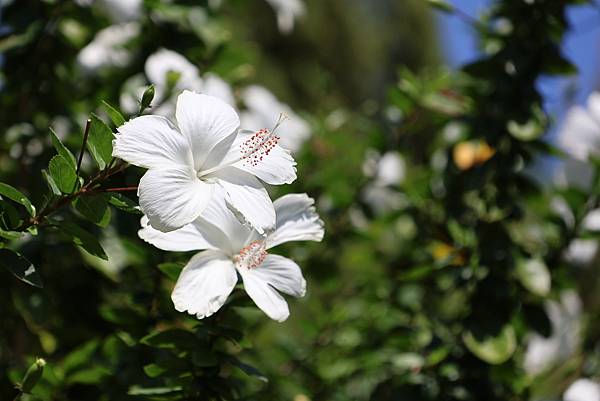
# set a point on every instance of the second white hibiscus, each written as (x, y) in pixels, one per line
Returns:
(210, 276)
(204, 151)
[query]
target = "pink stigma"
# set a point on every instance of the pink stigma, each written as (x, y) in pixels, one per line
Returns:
(252, 255)
(258, 146)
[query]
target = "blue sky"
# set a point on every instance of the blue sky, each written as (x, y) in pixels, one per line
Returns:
(581, 46)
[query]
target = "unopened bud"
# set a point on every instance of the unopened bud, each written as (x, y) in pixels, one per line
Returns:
(33, 375)
(147, 98)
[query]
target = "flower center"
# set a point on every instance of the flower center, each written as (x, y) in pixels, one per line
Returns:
(251, 256)
(259, 145)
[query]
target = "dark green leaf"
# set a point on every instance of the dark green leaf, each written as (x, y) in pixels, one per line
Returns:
(61, 148)
(63, 173)
(203, 357)
(99, 141)
(15, 195)
(115, 116)
(94, 208)
(124, 203)
(250, 370)
(51, 183)
(154, 370)
(135, 390)
(20, 267)
(83, 239)
(171, 339)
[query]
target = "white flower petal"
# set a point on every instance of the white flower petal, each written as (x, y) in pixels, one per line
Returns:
(192, 237)
(217, 214)
(247, 197)
(275, 168)
(215, 86)
(391, 169)
(205, 121)
(283, 274)
(164, 61)
(265, 296)
(583, 390)
(204, 284)
(297, 220)
(174, 197)
(151, 142)
(580, 134)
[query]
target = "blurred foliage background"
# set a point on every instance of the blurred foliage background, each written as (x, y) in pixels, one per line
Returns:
(451, 268)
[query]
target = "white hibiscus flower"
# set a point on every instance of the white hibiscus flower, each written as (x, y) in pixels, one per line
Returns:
(262, 108)
(388, 171)
(210, 276)
(545, 352)
(579, 137)
(170, 72)
(583, 390)
(287, 12)
(205, 150)
(108, 48)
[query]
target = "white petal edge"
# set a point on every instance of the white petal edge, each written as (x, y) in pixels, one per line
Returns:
(151, 142)
(205, 121)
(172, 198)
(247, 197)
(297, 220)
(283, 274)
(192, 237)
(265, 296)
(204, 284)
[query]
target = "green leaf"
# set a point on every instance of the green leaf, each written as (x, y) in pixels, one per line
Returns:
(124, 203)
(79, 358)
(51, 183)
(15, 195)
(441, 5)
(493, 350)
(153, 370)
(63, 173)
(10, 235)
(250, 370)
(82, 238)
(171, 339)
(136, 390)
(528, 131)
(20, 267)
(94, 208)
(93, 375)
(203, 357)
(115, 116)
(534, 276)
(99, 141)
(171, 270)
(61, 148)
